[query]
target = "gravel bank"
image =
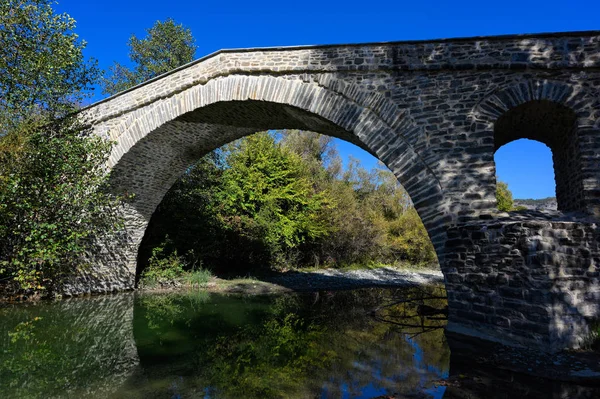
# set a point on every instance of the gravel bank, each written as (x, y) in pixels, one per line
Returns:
(329, 279)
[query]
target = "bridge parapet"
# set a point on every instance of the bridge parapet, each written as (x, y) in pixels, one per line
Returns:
(573, 50)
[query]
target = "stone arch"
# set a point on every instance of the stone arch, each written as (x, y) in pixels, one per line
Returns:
(558, 114)
(158, 141)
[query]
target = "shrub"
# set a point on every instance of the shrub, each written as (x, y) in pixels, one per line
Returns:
(161, 269)
(52, 203)
(198, 277)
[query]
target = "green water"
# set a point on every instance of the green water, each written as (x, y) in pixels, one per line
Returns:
(349, 344)
(200, 345)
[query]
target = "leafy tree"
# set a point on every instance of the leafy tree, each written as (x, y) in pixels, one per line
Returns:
(51, 203)
(166, 47)
(188, 215)
(51, 172)
(504, 197)
(42, 68)
(268, 197)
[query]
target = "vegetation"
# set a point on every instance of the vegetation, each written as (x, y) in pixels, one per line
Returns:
(538, 201)
(504, 197)
(42, 68)
(168, 269)
(284, 200)
(592, 341)
(51, 203)
(505, 200)
(279, 200)
(51, 171)
(166, 47)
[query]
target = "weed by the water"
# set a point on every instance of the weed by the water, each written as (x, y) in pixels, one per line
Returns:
(198, 277)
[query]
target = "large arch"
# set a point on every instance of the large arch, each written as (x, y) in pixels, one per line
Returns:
(158, 142)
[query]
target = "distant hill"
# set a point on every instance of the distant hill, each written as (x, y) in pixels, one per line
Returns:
(538, 204)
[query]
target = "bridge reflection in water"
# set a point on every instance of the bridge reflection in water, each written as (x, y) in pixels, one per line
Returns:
(361, 343)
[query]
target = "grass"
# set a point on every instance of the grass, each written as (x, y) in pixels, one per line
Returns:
(595, 336)
(199, 277)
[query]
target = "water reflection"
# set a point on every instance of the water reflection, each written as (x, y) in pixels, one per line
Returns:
(368, 343)
(69, 349)
(325, 345)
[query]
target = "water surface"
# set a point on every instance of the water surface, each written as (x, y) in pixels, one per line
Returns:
(368, 343)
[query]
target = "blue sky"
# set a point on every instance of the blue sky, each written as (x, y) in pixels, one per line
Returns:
(527, 167)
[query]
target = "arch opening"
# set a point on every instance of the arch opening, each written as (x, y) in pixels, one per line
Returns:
(368, 212)
(159, 142)
(527, 168)
(555, 126)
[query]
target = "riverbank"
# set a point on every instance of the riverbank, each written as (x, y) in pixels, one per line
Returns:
(315, 280)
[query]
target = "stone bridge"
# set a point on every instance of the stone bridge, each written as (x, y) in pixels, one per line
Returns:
(434, 112)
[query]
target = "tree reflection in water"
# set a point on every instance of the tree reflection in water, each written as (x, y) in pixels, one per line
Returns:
(366, 343)
(327, 344)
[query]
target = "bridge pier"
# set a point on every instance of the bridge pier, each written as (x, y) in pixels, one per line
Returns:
(524, 279)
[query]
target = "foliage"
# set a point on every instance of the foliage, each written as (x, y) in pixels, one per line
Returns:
(166, 47)
(408, 238)
(162, 269)
(537, 202)
(42, 68)
(52, 202)
(370, 210)
(188, 215)
(198, 277)
(592, 341)
(504, 197)
(267, 197)
(284, 200)
(166, 267)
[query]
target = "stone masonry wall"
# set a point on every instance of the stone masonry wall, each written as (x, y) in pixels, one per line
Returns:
(524, 279)
(428, 110)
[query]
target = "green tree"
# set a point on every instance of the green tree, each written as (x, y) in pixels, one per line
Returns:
(286, 199)
(268, 196)
(42, 68)
(188, 215)
(166, 47)
(51, 172)
(51, 203)
(504, 197)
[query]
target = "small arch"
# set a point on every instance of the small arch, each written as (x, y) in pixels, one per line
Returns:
(556, 126)
(527, 166)
(554, 113)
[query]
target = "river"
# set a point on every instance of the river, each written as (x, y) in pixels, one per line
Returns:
(364, 343)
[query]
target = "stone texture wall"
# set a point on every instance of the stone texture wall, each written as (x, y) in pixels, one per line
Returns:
(528, 278)
(428, 110)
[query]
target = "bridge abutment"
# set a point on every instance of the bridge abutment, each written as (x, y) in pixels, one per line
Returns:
(525, 279)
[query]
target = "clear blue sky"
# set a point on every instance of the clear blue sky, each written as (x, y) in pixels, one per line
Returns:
(106, 25)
